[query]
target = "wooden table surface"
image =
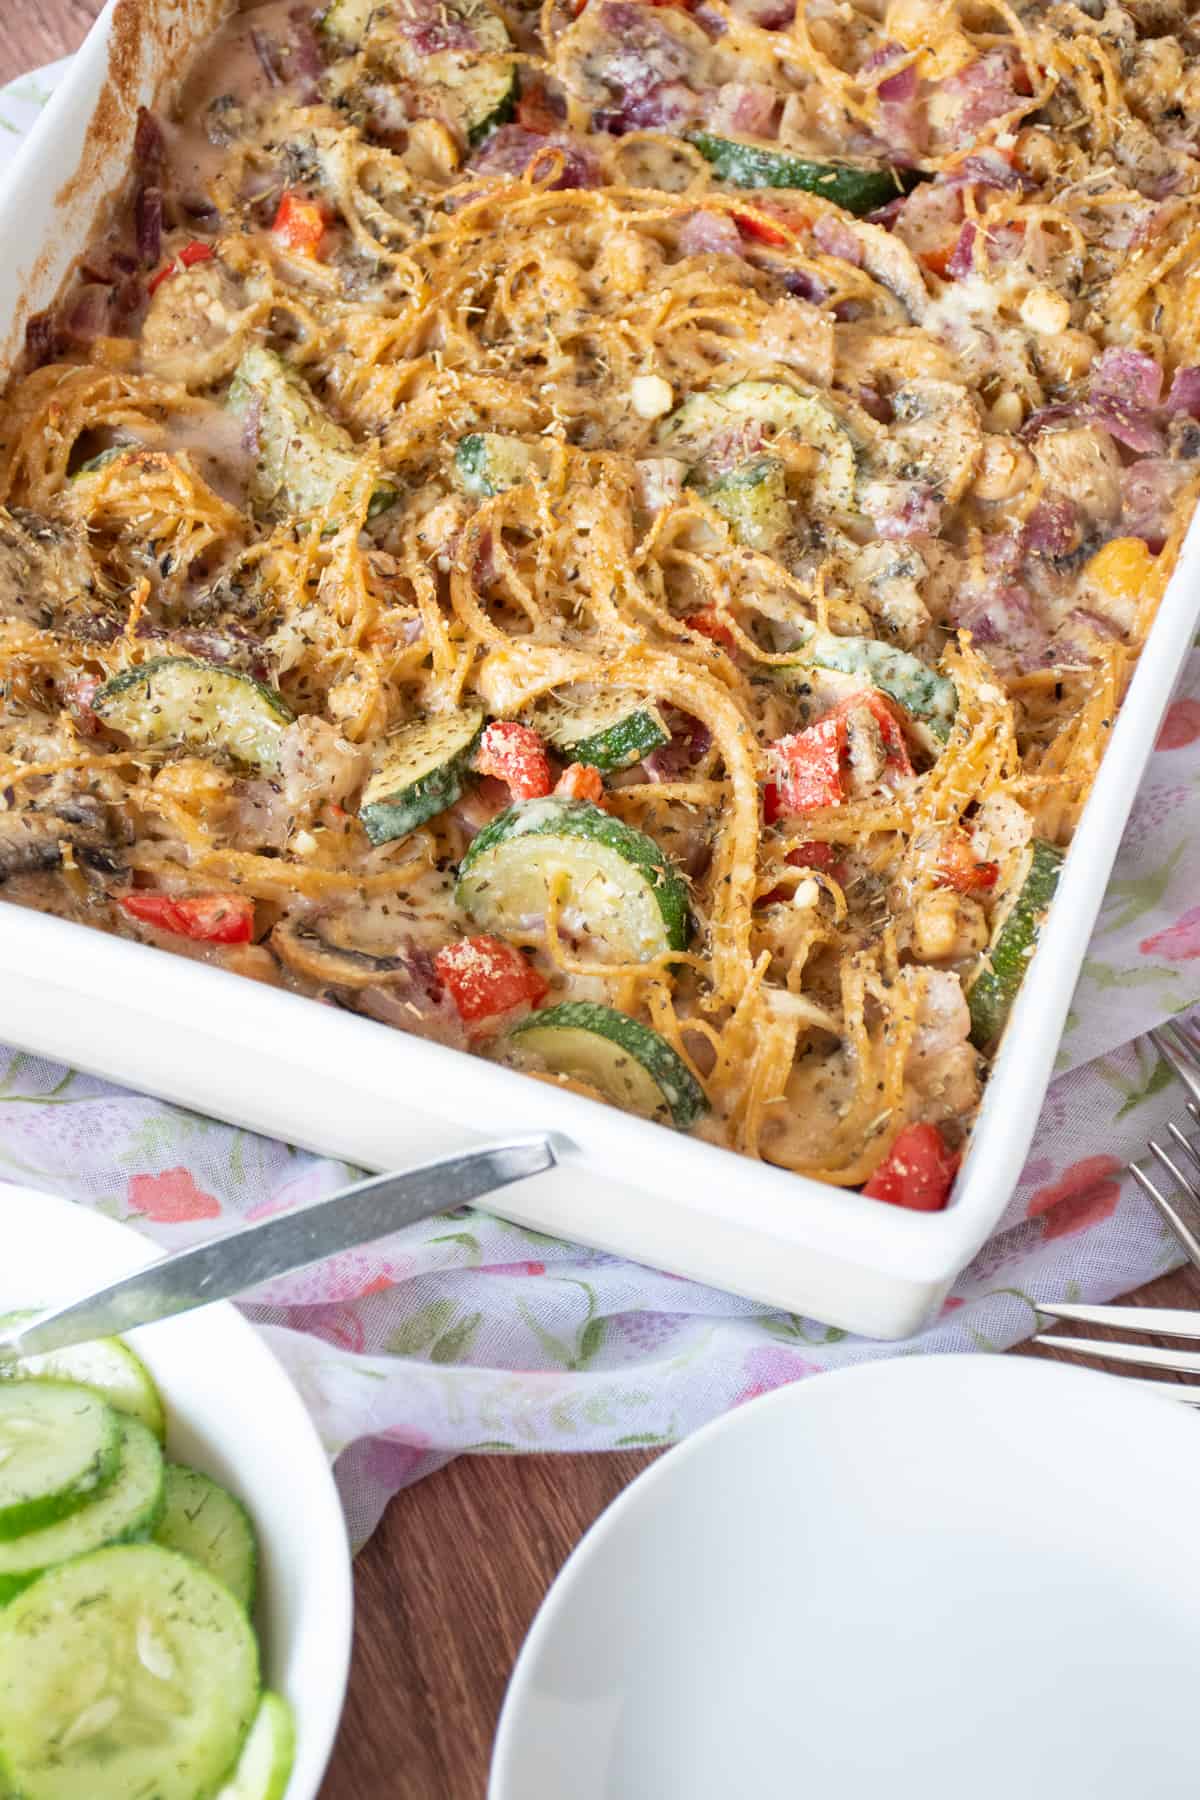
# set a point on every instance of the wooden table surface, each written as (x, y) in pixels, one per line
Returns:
(451, 1580)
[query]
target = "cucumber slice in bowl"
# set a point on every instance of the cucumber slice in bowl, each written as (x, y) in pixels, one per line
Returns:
(127, 1672)
(620, 887)
(203, 1520)
(992, 993)
(59, 1448)
(265, 1764)
(178, 702)
(126, 1509)
(419, 774)
(107, 1366)
(627, 1061)
(858, 186)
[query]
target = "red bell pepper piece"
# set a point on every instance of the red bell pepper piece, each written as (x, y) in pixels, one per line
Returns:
(808, 767)
(485, 977)
(515, 754)
(581, 782)
(188, 257)
(917, 1172)
(208, 918)
(535, 112)
(709, 625)
(958, 869)
(300, 223)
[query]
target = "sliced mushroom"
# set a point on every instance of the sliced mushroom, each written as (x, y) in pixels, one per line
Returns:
(304, 950)
(32, 842)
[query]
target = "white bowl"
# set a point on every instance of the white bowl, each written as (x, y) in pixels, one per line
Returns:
(233, 1412)
(926, 1578)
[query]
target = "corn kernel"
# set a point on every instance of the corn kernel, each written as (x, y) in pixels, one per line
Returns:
(1123, 568)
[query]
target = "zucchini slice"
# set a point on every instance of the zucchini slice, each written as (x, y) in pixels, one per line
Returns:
(613, 881)
(419, 774)
(203, 1520)
(265, 1765)
(127, 1672)
(303, 454)
(59, 1448)
(778, 408)
(487, 463)
(859, 187)
(627, 1061)
(608, 734)
(992, 993)
(127, 1508)
(930, 699)
(753, 499)
(106, 1365)
(181, 703)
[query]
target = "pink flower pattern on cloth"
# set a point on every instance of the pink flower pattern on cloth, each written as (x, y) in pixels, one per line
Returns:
(468, 1333)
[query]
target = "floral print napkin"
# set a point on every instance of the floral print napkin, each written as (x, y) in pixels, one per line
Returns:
(466, 1333)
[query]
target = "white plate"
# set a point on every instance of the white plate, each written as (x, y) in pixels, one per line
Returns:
(920, 1579)
(232, 1411)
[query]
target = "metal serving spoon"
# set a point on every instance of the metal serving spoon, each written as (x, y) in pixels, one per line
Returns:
(241, 1260)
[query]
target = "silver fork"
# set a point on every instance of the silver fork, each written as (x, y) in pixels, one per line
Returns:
(1179, 1046)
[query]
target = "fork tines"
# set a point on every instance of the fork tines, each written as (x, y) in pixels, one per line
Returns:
(1179, 1045)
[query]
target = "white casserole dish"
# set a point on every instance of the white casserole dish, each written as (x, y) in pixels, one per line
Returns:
(277, 1063)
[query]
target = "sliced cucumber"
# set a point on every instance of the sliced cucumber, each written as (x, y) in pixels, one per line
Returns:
(127, 1508)
(303, 455)
(203, 1520)
(180, 702)
(614, 883)
(778, 409)
(929, 698)
(419, 774)
(485, 463)
(627, 1061)
(1014, 940)
(611, 733)
(107, 1366)
(858, 186)
(59, 1448)
(753, 498)
(127, 1673)
(265, 1765)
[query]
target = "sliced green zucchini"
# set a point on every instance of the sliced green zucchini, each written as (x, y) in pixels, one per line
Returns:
(419, 774)
(130, 1672)
(304, 456)
(265, 1765)
(778, 408)
(106, 457)
(486, 463)
(127, 1508)
(203, 1520)
(628, 1061)
(107, 1366)
(1014, 939)
(930, 699)
(59, 1448)
(610, 733)
(181, 703)
(753, 498)
(858, 186)
(613, 882)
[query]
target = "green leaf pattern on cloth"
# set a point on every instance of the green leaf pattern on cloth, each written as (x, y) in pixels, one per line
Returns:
(470, 1334)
